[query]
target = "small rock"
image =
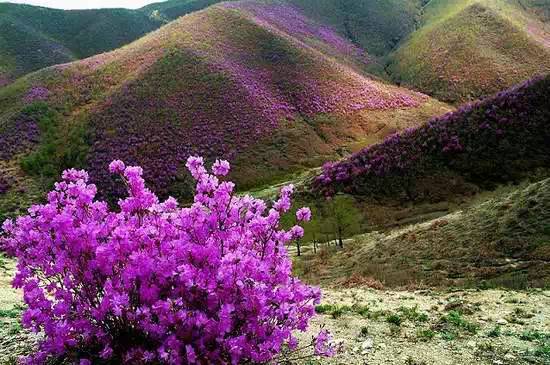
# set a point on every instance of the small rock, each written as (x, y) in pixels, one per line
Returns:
(502, 321)
(509, 357)
(471, 344)
(498, 362)
(367, 344)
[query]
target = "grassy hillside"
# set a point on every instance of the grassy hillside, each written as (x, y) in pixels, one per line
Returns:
(504, 241)
(471, 48)
(498, 139)
(260, 85)
(33, 37)
(376, 26)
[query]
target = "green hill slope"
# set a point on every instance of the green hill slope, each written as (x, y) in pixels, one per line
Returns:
(471, 48)
(33, 37)
(376, 26)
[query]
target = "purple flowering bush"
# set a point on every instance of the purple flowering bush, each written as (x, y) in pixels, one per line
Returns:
(22, 134)
(36, 93)
(495, 140)
(153, 282)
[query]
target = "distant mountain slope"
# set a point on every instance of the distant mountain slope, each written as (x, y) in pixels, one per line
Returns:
(261, 85)
(33, 37)
(377, 26)
(501, 242)
(465, 49)
(499, 139)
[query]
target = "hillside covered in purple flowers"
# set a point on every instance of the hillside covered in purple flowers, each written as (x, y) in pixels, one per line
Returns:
(496, 140)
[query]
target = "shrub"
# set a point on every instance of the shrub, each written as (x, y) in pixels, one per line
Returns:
(5, 185)
(412, 314)
(495, 332)
(534, 335)
(425, 334)
(455, 319)
(156, 283)
(394, 319)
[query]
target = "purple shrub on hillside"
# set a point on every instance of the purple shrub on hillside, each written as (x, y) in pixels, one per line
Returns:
(156, 283)
(22, 133)
(493, 140)
(36, 93)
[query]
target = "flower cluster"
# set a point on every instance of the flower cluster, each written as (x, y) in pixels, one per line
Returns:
(36, 93)
(303, 214)
(324, 344)
(156, 283)
(493, 140)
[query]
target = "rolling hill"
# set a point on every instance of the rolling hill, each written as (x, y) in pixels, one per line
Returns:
(467, 49)
(376, 26)
(451, 50)
(33, 37)
(257, 83)
(499, 139)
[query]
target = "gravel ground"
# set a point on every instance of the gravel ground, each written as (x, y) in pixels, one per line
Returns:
(461, 327)
(496, 327)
